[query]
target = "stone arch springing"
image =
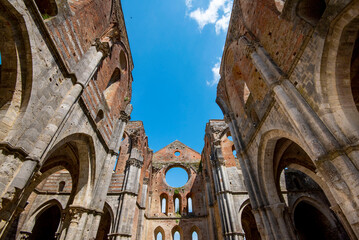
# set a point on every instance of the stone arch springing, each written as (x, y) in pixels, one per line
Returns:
(311, 10)
(338, 81)
(16, 67)
(47, 8)
(164, 203)
(159, 230)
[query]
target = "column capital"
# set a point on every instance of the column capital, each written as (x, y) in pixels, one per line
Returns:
(124, 117)
(134, 162)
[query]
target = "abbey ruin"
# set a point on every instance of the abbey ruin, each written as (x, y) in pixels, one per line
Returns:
(282, 164)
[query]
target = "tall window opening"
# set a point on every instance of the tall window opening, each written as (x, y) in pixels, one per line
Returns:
(159, 236)
(194, 236)
(61, 186)
(189, 205)
(177, 205)
(177, 236)
(47, 8)
(112, 85)
(164, 200)
(164, 205)
(311, 10)
(123, 60)
(0, 66)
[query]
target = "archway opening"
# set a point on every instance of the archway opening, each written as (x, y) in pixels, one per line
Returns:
(354, 73)
(311, 10)
(249, 224)
(312, 224)
(46, 224)
(295, 180)
(104, 226)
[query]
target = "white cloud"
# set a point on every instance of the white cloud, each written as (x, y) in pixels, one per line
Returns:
(189, 4)
(217, 13)
(215, 72)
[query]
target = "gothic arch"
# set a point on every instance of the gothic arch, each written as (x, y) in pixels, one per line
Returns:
(159, 230)
(79, 161)
(265, 162)
(30, 222)
(16, 69)
(177, 229)
(339, 107)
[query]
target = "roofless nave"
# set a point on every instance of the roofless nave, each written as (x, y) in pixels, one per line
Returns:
(288, 92)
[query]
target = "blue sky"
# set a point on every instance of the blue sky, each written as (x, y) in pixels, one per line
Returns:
(176, 48)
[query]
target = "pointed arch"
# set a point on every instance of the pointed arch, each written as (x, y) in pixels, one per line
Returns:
(159, 230)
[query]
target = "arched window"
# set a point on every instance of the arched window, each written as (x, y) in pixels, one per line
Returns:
(189, 205)
(112, 85)
(159, 236)
(311, 10)
(177, 236)
(123, 60)
(194, 235)
(163, 205)
(159, 233)
(177, 205)
(47, 8)
(61, 186)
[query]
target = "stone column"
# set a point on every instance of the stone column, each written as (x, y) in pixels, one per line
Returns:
(333, 162)
(12, 194)
(127, 200)
(104, 179)
(225, 200)
(142, 206)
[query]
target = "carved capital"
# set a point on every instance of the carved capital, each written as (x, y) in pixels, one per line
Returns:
(134, 162)
(146, 180)
(103, 47)
(124, 117)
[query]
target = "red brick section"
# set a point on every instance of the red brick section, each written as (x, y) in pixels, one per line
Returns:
(51, 184)
(188, 159)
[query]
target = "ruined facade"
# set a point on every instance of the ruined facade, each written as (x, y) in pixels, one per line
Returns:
(283, 164)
